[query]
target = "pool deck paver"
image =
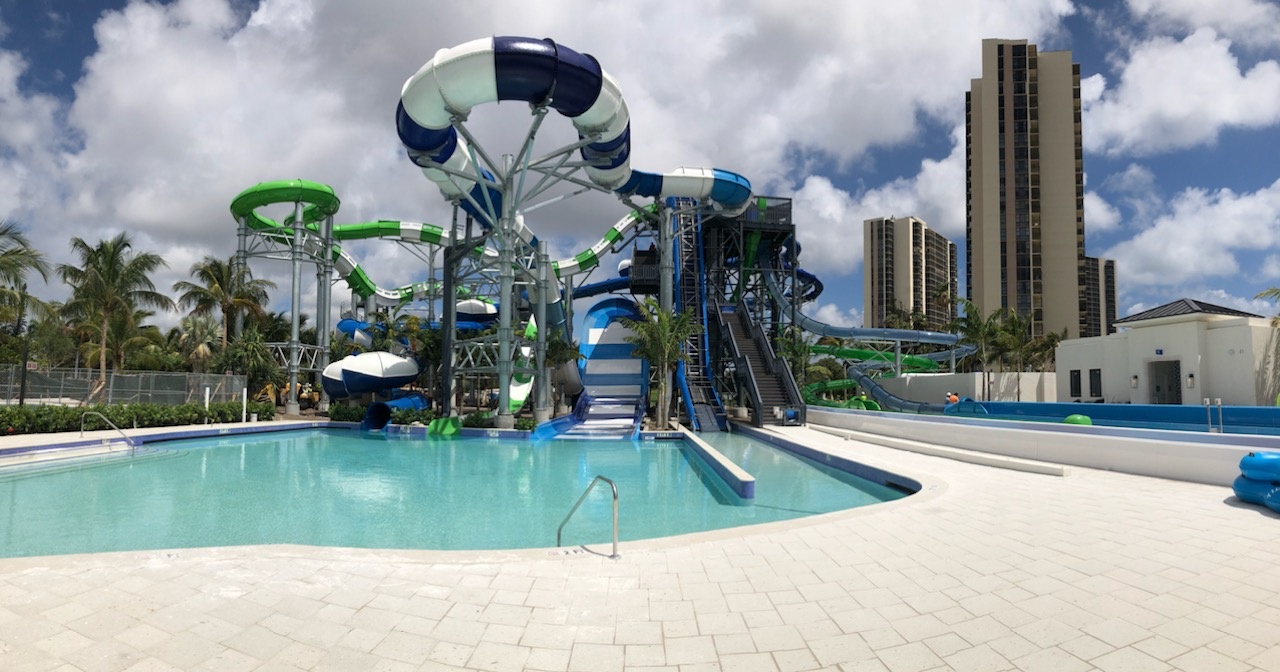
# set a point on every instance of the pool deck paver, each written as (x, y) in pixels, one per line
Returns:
(985, 569)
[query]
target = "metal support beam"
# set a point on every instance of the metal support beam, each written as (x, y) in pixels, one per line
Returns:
(324, 303)
(242, 267)
(541, 410)
(506, 281)
(291, 405)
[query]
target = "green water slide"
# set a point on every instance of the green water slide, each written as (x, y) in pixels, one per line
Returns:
(319, 201)
(811, 392)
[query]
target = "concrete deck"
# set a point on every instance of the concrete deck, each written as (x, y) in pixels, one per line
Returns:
(986, 569)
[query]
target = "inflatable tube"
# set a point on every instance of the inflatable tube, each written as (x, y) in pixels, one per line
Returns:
(1077, 419)
(1272, 500)
(1261, 466)
(1255, 492)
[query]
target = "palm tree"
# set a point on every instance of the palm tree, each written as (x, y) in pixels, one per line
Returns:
(226, 286)
(198, 340)
(125, 335)
(560, 351)
(111, 279)
(248, 354)
(1015, 342)
(17, 259)
(980, 332)
(659, 336)
(1271, 293)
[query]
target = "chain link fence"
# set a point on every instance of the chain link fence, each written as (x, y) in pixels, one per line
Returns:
(73, 387)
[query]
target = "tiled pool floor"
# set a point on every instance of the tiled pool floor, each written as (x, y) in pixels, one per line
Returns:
(986, 569)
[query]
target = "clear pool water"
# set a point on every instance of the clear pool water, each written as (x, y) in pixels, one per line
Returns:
(340, 488)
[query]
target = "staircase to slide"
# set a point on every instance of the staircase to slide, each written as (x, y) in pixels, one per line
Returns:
(774, 397)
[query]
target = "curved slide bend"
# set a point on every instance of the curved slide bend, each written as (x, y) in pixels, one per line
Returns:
(538, 72)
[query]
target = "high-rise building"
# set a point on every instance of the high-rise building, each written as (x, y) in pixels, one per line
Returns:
(1024, 162)
(907, 268)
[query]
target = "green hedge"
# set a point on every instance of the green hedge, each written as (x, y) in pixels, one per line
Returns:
(44, 419)
(345, 413)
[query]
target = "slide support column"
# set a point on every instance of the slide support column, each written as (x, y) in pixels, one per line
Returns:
(506, 283)
(541, 412)
(324, 304)
(242, 267)
(291, 405)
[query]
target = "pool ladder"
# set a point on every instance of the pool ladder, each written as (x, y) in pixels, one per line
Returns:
(574, 510)
(127, 440)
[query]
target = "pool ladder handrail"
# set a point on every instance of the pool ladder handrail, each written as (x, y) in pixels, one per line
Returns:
(127, 440)
(574, 510)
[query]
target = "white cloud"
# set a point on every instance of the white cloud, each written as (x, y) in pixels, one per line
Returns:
(1271, 267)
(1179, 94)
(1250, 22)
(1199, 236)
(1099, 215)
(830, 313)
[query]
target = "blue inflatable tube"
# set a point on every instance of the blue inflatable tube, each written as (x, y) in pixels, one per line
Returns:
(1256, 492)
(1261, 466)
(1272, 500)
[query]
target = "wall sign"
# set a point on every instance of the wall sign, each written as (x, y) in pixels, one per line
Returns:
(1159, 351)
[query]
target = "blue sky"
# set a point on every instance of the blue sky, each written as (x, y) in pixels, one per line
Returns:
(150, 117)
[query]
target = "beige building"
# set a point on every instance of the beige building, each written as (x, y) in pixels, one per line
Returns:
(910, 267)
(1024, 228)
(1180, 353)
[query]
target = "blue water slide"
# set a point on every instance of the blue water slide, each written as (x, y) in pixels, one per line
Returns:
(379, 412)
(615, 382)
(603, 287)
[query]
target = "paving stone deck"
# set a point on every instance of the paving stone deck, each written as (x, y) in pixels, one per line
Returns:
(985, 569)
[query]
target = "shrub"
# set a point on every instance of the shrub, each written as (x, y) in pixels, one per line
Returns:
(526, 424)
(345, 413)
(45, 419)
(409, 416)
(477, 419)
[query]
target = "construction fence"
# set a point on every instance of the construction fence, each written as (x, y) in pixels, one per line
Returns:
(73, 387)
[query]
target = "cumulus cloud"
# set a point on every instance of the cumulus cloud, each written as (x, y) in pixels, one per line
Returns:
(1250, 22)
(1175, 94)
(830, 313)
(1199, 236)
(1099, 215)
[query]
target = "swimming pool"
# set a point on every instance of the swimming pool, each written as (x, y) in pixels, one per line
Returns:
(344, 488)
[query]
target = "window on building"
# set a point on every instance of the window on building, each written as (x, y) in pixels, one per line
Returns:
(1095, 382)
(1075, 383)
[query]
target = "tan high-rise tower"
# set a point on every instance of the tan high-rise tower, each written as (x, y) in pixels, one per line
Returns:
(1024, 230)
(907, 269)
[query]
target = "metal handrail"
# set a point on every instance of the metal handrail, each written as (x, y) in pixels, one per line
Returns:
(132, 446)
(586, 492)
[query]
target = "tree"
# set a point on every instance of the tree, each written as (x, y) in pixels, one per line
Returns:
(1271, 293)
(659, 336)
(125, 336)
(198, 340)
(225, 286)
(793, 347)
(1014, 341)
(249, 355)
(17, 260)
(111, 279)
(980, 332)
(560, 351)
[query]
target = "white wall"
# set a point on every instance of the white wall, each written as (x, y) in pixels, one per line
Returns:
(1207, 458)
(931, 387)
(1232, 359)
